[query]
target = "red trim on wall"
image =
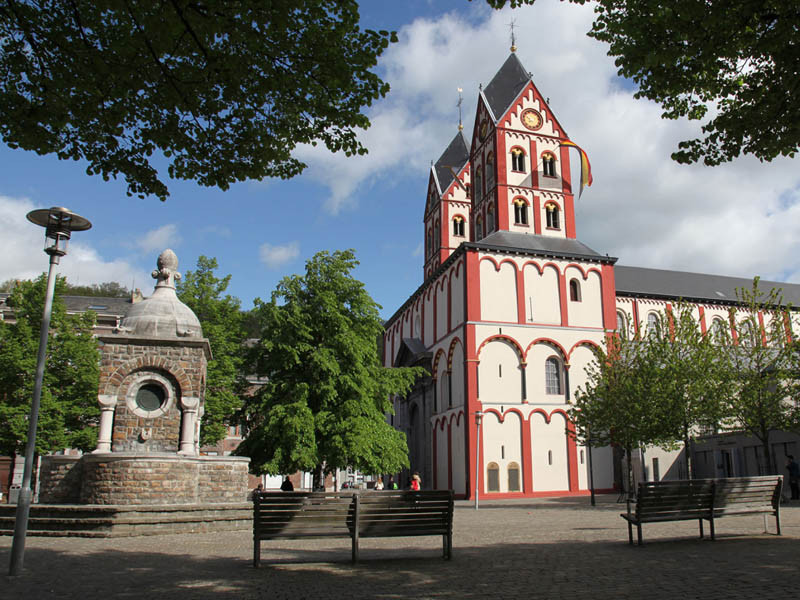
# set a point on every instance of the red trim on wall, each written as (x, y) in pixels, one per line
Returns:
(702, 313)
(472, 286)
(761, 328)
(635, 307)
(670, 320)
(537, 215)
(572, 456)
(500, 161)
(609, 291)
(520, 296)
(472, 405)
(527, 456)
(562, 292)
(534, 162)
(449, 302)
(569, 216)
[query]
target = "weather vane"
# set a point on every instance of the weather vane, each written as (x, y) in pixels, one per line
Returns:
(513, 39)
(460, 101)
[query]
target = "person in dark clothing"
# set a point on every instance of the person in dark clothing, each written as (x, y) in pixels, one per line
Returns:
(794, 476)
(287, 485)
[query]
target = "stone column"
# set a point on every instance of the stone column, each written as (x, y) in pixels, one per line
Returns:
(107, 406)
(190, 408)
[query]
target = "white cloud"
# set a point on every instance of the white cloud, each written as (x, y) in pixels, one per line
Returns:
(277, 256)
(158, 240)
(739, 219)
(23, 257)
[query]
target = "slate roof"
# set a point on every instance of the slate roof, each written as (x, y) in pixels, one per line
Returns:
(506, 85)
(659, 283)
(456, 156)
(540, 244)
(79, 304)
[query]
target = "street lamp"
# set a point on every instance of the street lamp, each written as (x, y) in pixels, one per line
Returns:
(478, 419)
(59, 223)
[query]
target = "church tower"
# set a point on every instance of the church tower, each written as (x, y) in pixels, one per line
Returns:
(521, 172)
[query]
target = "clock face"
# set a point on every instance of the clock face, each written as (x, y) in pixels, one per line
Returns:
(531, 119)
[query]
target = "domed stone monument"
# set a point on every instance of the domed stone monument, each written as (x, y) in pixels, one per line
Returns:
(151, 396)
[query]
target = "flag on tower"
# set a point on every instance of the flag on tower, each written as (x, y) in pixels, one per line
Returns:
(586, 168)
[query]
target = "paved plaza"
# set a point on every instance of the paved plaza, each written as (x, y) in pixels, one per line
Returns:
(547, 548)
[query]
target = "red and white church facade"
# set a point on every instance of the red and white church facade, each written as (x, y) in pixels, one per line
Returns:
(511, 306)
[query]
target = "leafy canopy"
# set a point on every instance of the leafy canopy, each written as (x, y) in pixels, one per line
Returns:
(69, 411)
(223, 325)
(223, 90)
(736, 66)
(325, 397)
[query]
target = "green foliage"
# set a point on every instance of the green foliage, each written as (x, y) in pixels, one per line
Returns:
(223, 325)
(224, 91)
(110, 289)
(326, 394)
(69, 411)
(734, 66)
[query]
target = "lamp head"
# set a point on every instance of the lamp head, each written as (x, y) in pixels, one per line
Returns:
(59, 223)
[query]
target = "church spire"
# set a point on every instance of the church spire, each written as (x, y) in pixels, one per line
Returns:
(513, 40)
(460, 101)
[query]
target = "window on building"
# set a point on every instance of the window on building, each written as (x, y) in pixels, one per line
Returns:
(747, 333)
(489, 172)
(479, 228)
(520, 212)
(436, 238)
(574, 290)
(518, 160)
(652, 324)
(552, 376)
(489, 219)
(553, 221)
(513, 477)
(493, 477)
(548, 164)
(429, 243)
(622, 328)
(478, 183)
(468, 190)
(458, 226)
(719, 329)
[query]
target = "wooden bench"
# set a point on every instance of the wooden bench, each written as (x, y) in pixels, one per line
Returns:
(315, 515)
(704, 499)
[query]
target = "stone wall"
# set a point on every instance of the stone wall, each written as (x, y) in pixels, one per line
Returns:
(147, 479)
(60, 479)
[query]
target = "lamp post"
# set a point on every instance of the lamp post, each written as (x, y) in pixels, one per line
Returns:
(478, 419)
(59, 223)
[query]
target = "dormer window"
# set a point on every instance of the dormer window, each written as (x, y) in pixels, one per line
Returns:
(553, 220)
(518, 160)
(548, 164)
(458, 226)
(520, 212)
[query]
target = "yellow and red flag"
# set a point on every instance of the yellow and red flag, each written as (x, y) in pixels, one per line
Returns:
(586, 168)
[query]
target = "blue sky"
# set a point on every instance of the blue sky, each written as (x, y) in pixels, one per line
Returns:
(739, 219)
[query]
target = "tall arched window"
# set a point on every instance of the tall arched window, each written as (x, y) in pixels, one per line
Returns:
(518, 160)
(479, 228)
(436, 238)
(458, 226)
(429, 243)
(720, 330)
(478, 183)
(489, 219)
(747, 333)
(622, 328)
(552, 376)
(553, 221)
(652, 324)
(574, 290)
(548, 164)
(492, 477)
(520, 212)
(489, 172)
(513, 477)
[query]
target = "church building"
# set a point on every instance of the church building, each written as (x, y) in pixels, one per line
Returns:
(511, 306)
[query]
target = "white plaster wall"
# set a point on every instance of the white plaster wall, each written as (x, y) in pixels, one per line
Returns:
(534, 373)
(579, 360)
(528, 101)
(457, 296)
(542, 297)
(459, 455)
(589, 311)
(499, 378)
(441, 457)
(549, 437)
(428, 303)
(498, 292)
(502, 445)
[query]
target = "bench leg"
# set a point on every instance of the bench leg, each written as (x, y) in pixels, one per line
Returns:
(355, 549)
(778, 521)
(711, 527)
(639, 533)
(630, 533)
(701, 528)
(256, 552)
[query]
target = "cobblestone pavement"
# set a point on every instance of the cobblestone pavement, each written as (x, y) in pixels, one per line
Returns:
(543, 548)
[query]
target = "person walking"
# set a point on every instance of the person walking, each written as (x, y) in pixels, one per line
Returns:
(416, 482)
(794, 476)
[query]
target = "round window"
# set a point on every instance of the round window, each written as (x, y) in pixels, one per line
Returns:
(150, 397)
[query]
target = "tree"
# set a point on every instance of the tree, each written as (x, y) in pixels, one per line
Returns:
(616, 406)
(223, 90)
(324, 402)
(761, 363)
(223, 325)
(737, 66)
(69, 411)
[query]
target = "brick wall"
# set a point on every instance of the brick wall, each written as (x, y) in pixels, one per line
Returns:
(60, 480)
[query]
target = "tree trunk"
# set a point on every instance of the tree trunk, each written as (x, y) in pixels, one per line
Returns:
(318, 478)
(687, 451)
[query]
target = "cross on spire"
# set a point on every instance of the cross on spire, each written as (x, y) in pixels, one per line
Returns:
(513, 39)
(460, 100)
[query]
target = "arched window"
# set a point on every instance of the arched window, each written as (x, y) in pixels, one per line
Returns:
(489, 219)
(489, 171)
(553, 221)
(548, 164)
(552, 376)
(719, 329)
(652, 324)
(513, 477)
(429, 243)
(518, 160)
(436, 238)
(478, 183)
(622, 328)
(747, 333)
(574, 290)
(479, 228)
(520, 212)
(492, 477)
(468, 190)
(458, 226)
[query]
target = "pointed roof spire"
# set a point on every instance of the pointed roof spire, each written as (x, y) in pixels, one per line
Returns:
(506, 85)
(451, 162)
(460, 100)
